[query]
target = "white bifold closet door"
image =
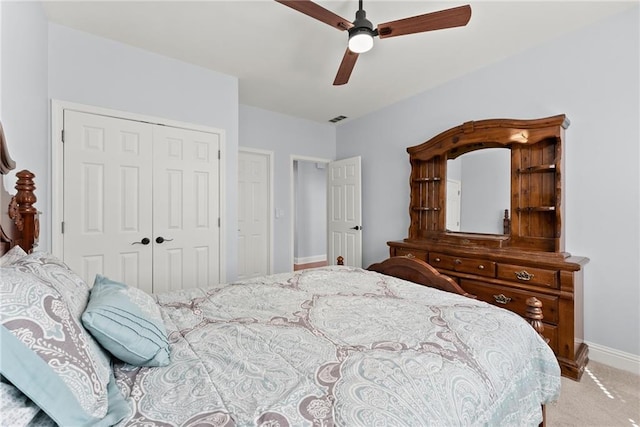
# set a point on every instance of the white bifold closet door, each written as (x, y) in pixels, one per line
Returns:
(141, 202)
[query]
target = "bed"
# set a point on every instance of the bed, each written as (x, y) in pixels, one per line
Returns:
(395, 344)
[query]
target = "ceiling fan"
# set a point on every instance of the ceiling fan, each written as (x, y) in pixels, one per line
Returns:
(361, 32)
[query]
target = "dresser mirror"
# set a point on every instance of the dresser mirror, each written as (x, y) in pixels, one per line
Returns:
(531, 177)
(478, 191)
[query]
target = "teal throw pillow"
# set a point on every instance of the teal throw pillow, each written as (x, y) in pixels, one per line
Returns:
(126, 321)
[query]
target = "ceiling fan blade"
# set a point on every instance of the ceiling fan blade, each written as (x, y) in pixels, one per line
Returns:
(318, 12)
(448, 18)
(346, 67)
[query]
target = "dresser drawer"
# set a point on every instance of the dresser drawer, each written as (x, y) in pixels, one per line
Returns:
(411, 253)
(529, 275)
(511, 299)
(463, 265)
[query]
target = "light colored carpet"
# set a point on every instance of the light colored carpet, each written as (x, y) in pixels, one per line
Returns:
(604, 397)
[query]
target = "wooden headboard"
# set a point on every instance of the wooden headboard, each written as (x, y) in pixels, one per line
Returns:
(18, 215)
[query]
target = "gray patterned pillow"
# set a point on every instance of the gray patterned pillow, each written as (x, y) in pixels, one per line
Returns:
(46, 352)
(14, 254)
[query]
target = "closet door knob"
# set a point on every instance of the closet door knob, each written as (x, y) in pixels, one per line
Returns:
(161, 239)
(144, 241)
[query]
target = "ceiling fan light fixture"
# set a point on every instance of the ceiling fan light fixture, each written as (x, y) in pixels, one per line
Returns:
(360, 40)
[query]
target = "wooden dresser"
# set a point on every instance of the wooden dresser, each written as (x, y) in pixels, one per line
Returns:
(525, 257)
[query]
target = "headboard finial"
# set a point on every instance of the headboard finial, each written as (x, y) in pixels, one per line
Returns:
(25, 195)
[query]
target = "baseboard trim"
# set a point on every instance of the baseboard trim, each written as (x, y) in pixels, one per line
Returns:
(615, 358)
(310, 259)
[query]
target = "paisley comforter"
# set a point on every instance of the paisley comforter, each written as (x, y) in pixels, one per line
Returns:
(340, 346)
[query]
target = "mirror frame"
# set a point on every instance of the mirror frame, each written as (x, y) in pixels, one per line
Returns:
(536, 169)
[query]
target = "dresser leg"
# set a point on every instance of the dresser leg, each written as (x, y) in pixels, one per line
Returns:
(575, 368)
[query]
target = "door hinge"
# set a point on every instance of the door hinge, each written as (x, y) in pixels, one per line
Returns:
(62, 227)
(219, 155)
(218, 222)
(62, 135)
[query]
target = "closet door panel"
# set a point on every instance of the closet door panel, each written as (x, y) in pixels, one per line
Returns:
(107, 198)
(186, 208)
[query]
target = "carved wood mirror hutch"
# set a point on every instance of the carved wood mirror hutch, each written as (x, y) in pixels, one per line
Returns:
(529, 258)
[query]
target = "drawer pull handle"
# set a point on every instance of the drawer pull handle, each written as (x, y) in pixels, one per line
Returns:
(481, 267)
(458, 261)
(437, 260)
(501, 299)
(524, 275)
(410, 255)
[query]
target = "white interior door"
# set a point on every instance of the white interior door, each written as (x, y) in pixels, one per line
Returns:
(108, 198)
(254, 213)
(344, 206)
(185, 209)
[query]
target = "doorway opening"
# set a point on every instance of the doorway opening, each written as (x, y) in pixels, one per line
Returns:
(309, 207)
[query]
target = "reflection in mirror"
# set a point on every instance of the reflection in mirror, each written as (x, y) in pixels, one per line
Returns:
(478, 190)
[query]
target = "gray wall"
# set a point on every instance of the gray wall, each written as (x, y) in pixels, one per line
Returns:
(592, 76)
(104, 73)
(42, 61)
(286, 136)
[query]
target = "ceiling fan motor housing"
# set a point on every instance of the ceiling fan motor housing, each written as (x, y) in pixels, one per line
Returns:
(361, 24)
(361, 34)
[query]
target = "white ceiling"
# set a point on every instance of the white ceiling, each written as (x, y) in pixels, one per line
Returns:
(286, 61)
